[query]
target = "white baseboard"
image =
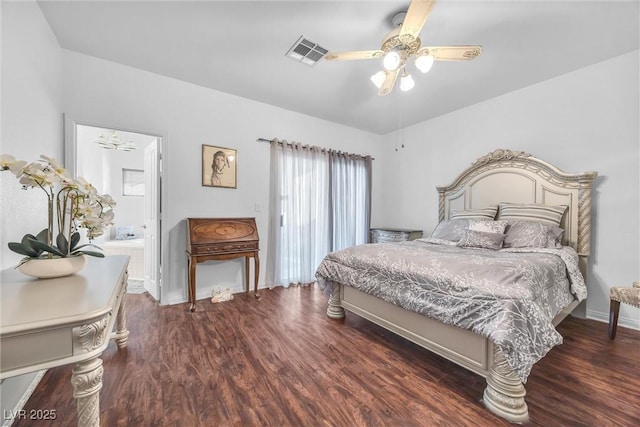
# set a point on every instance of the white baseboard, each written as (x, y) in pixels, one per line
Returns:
(178, 297)
(625, 322)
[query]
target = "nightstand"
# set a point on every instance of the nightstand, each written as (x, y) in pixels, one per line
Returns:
(383, 234)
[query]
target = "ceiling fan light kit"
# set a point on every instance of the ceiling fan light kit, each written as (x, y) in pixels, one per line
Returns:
(403, 43)
(406, 82)
(391, 61)
(379, 78)
(424, 63)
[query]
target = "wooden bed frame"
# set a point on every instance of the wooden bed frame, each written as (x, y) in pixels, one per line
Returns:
(500, 176)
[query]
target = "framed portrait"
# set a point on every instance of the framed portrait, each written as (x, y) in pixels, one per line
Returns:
(219, 166)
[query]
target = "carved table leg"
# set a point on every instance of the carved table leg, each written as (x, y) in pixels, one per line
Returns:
(334, 308)
(504, 394)
(86, 379)
(122, 333)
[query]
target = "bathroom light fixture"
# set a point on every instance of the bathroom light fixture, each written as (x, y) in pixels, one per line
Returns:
(113, 141)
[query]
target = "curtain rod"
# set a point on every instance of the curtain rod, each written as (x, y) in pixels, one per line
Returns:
(288, 143)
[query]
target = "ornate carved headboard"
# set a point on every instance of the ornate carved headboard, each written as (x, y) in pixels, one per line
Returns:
(517, 177)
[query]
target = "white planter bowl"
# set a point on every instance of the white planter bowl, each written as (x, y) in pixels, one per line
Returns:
(48, 268)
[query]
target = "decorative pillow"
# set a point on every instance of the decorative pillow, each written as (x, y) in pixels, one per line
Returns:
(488, 226)
(550, 215)
(525, 234)
(481, 239)
(451, 229)
(488, 213)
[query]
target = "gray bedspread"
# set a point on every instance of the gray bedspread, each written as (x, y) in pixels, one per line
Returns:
(509, 296)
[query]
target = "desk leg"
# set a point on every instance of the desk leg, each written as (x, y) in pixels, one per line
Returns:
(246, 274)
(192, 283)
(122, 333)
(86, 379)
(256, 274)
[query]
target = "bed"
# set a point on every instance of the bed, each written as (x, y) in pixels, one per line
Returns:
(521, 293)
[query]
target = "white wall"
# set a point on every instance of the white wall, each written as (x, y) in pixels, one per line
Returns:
(187, 116)
(31, 116)
(581, 121)
(31, 123)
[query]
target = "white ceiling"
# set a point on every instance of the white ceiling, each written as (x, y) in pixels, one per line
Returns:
(239, 47)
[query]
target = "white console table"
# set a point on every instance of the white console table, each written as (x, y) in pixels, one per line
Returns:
(53, 322)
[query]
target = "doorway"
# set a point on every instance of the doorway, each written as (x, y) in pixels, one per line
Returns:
(126, 165)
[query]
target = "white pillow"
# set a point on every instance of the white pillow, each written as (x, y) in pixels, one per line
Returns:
(488, 226)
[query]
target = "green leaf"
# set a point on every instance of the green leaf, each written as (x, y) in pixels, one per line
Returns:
(22, 261)
(43, 236)
(75, 239)
(26, 241)
(61, 241)
(85, 245)
(22, 249)
(90, 253)
(36, 244)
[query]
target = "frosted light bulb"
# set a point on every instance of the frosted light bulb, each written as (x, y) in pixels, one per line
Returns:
(379, 78)
(424, 63)
(406, 82)
(391, 61)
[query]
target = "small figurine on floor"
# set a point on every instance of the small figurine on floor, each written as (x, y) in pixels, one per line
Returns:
(219, 295)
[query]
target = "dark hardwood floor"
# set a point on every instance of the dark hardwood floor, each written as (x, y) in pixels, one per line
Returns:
(279, 361)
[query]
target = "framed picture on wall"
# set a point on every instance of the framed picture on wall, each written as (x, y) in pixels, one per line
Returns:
(132, 182)
(219, 166)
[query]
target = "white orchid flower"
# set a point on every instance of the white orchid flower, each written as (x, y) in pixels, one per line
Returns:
(107, 218)
(76, 199)
(85, 187)
(17, 168)
(6, 160)
(95, 232)
(106, 200)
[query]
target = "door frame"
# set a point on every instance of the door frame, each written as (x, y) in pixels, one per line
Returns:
(70, 159)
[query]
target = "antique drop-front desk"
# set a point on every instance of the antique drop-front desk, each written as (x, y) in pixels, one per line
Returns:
(221, 239)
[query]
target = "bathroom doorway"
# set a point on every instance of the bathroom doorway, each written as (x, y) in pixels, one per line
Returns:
(126, 165)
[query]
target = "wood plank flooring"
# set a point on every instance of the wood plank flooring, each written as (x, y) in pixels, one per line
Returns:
(279, 361)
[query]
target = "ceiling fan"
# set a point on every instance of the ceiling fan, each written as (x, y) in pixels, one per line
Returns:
(401, 44)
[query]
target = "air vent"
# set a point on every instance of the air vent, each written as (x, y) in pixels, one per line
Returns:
(306, 51)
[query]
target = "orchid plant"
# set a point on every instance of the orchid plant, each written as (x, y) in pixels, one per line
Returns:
(72, 203)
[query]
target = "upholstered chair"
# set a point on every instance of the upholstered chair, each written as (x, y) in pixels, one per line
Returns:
(617, 295)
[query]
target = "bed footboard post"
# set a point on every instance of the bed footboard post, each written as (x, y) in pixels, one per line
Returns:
(334, 308)
(504, 394)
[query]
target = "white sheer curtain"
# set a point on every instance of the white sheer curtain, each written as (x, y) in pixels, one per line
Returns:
(319, 202)
(299, 218)
(350, 199)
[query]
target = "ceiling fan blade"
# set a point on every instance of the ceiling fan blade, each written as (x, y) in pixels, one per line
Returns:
(416, 17)
(347, 56)
(451, 53)
(387, 85)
